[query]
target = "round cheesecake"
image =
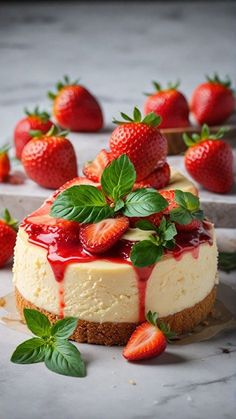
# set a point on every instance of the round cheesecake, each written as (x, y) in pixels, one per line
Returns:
(107, 294)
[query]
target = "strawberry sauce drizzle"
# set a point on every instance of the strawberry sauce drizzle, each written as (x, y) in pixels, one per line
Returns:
(63, 248)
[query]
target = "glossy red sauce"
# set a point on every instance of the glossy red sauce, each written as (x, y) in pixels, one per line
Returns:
(63, 248)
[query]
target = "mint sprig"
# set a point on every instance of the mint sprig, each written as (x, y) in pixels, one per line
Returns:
(151, 118)
(149, 251)
(87, 204)
(188, 208)
(83, 203)
(51, 345)
(118, 178)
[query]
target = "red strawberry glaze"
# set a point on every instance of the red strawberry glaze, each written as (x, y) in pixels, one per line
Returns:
(64, 248)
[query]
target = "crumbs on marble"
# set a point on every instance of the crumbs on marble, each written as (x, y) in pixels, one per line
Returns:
(132, 382)
(2, 302)
(225, 351)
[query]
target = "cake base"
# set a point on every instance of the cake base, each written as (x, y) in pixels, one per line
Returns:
(118, 333)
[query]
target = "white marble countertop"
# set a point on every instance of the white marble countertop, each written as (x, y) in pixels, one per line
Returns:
(116, 49)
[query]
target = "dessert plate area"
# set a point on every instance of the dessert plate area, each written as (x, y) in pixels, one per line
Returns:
(195, 377)
(23, 198)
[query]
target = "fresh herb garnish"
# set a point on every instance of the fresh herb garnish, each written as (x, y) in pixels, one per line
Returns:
(87, 204)
(51, 345)
(227, 261)
(188, 208)
(149, 251)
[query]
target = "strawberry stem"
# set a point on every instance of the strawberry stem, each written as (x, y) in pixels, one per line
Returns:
(216, 79)
(61, 84)
(36, 112)
(158, 88)
(150, 119)
(204, 135)
(152, 318)
(9, 220)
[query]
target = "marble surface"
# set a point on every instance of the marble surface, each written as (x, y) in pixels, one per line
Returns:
(191, 381)
(117, 49)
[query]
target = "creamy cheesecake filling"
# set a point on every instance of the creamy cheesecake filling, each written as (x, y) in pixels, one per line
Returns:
(110, 289)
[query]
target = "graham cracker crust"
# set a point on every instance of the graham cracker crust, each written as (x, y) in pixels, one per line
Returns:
(109, 333)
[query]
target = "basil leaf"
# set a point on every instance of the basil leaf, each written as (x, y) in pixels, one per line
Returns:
(119, 205)
(143, 202)
(83, 203)
(118, 178)
(145, 253)
(145, 225)
(170, 232)
(29, 352)
(180, 215)
(37, 322)
(64, 328)
(187, 200)
(64, 358)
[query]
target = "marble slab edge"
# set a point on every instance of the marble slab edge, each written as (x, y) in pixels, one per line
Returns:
(222, 214)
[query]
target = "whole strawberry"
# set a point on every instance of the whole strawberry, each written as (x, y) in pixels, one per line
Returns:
(34, 121)
(75, 108)
(170, 104)
(5, 165)
(8, 229)
(141, 141)
(209, 160)
(50, 159)
(213, 102)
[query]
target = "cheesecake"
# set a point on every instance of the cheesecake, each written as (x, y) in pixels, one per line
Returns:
(56, 275)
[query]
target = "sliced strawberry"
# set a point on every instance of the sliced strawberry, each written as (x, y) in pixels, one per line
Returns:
(194, 225)
(170, 197)
(93, 169)
(99, 237)
(147, 341)
(158, 179)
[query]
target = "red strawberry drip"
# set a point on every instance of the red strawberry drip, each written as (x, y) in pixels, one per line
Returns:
(63, 249)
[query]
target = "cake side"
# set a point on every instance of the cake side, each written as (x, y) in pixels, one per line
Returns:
(112, 333)
(107, 291)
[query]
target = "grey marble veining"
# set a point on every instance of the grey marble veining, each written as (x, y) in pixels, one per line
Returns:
(116, 49)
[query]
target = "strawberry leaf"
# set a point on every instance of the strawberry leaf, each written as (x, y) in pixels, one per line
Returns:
(83, 203)
(118, 178)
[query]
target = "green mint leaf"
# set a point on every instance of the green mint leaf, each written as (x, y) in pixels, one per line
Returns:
(227, 261)
(29, 352)
(119, 205)
(187, 200)
(145, 225)
(83, 203)
(118, 178)
(180, 216)
(37, 322)
(170, 244)
(65, 359)
(199, 215)
(170, 232)
(144, 202)
(64, 328)
(145, 253)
